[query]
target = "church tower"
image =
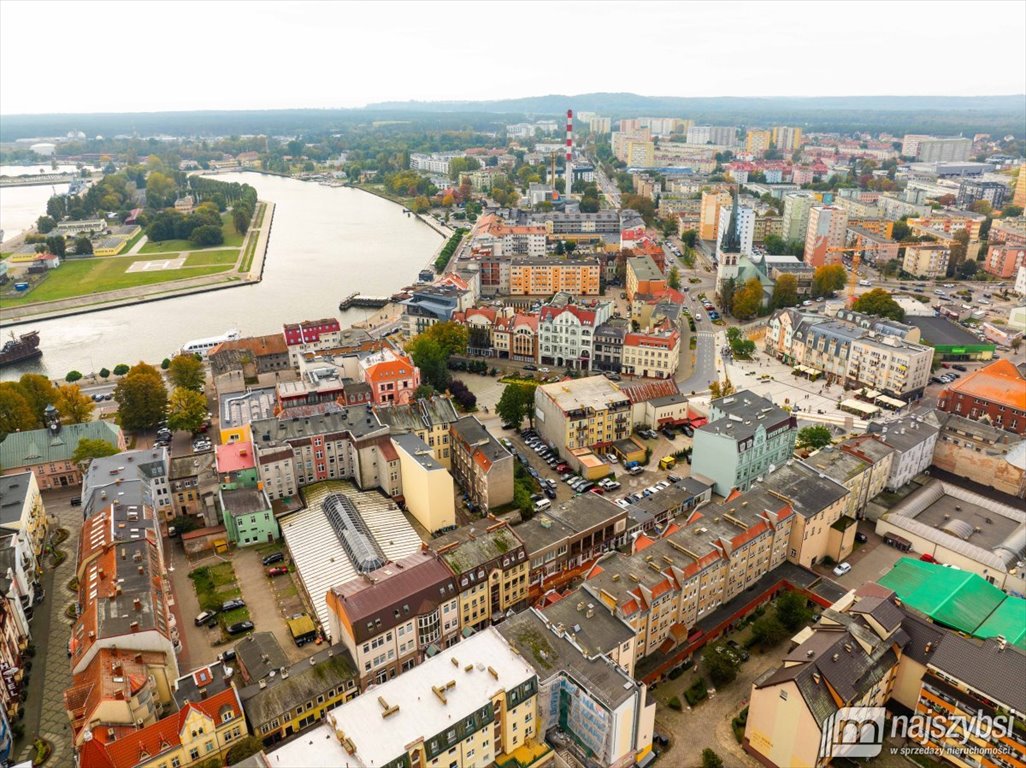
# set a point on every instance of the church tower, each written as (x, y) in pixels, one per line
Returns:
(728, 250)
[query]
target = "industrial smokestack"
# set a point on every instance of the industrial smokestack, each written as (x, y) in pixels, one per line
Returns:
(569, 151)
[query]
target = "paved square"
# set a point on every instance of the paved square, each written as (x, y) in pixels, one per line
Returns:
(156, 266)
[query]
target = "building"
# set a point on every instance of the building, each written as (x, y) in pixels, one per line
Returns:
(608, 345)
(395, 616)
(972, 190)
(758, 141)
(827, 229)
(469, 705)
(981, 454)
(490, 568)
(950, 340)
(995, 394)
(300, 694)
(311, 336)
(787, 138)
(651, 355)
(427, 485)
(720, 135)
(850, 464)
(435, 162)
(913, 439)
(566, 334)
(429, 418)
(139, 474)
(582, 413)
(745, 436)
(709, 217)
(1004, 261)
(192, 486)
(745, 227)
(927, 262)
(47, 453)
(392, 377)
(481, 466)
(604, 715)
(930, 149)
(544, 277)
(644, 276)
(253, 355)
(795, 222)
(21, 510)
(502, 239)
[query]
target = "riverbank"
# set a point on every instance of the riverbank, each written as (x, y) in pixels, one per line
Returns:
(254, 249)
(406, 208)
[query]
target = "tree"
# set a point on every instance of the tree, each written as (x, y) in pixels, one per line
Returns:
(207, 235)
(901, 230)
(793, 611)
(240, 220)
(767, 631)
(104, 373)
(710, 759)
(1011, 211)
(186, 370)
(429, 356)
(45, 224)
(142, 397)
(451, 337)
(57, 245)
(689, 237)
(673, 279)
(186, 410)
(74, 406)
(15, 412)
(879, 302)
(516, 402)
(957, 251)
(39, 392)
(748, 300)
(982, 206)
(242, 749)
(716, 389)
(718, 666)
(785, 292)
(968, 270)
(421, 204)
(814, 437)
(120, 369)
(89, 449)
(83, 245)
(165, 363)
(727, 295)
(827, 279)
(160, 190)
(72, 376)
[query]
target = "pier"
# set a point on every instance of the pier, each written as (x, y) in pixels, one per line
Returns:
(367, 302)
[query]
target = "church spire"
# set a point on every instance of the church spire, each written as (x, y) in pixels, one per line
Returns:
(732, 238)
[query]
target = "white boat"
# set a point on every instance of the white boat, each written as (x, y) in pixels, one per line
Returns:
(202, 346)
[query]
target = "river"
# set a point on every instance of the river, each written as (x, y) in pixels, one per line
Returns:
(326, 242)
(21, 206)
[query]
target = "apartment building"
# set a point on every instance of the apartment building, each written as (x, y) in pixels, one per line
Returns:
(892, 366)
(470, 705)
(434, 162)
(651, 355)
(827, 228)
(427, 486)
(913, 440)
(982, 454)
(17, 586)
(745, 436)
(490, 568)
(311, 336)
(709, 217)
(795, 222)
(1004, 261)
(503, 239)
(393, 378)
(995, 394)
(429, 418)
(720, 135)
(602, 712)
(481, 466)
(745, 229)
(566, 334)
(21, 510)
(851, 465)
(787, 138)
(973, 190)
(644, 276)
(582, 413)
(389, 618)
(544, 277)
(47, 453)
(757, 141)
(927, 262)
(876, 248)
(931, 149)
(608, 345)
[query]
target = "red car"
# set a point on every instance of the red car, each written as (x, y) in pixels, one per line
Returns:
(597, 490)
(562, 467)
(278, 570)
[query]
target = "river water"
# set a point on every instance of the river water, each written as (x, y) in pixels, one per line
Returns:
(326, 242)
(21, 206)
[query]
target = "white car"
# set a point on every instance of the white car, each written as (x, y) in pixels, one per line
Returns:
(842, 569)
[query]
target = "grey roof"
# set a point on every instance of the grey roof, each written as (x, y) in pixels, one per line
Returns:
(808, 490)
(13, 492)
(418, 450)
(260, 653)
(238, 409)
(584, 513)
(476, 544)
(941, 332)
(40, 446)
(739, 416)
(668, 400)
(923, 637)
(542, 532)
(589, 622)
(192, 465)
(998, 674)
(881, 609)
(871, 322)
(552, 654)
(905, 433)
(358, 420)
(645, 268)
(115, 614)
(143, 465)
(837, 464)
(244, 501)
(422, 413)
(473, 432)
(326, 670)
(201, 683)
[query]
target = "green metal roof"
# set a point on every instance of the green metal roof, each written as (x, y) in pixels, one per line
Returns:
(39, 446)
(958, 599)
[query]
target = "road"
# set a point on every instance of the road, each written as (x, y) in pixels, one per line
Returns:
(607, 187)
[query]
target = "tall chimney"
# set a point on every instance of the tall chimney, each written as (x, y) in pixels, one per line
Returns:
(569, 171)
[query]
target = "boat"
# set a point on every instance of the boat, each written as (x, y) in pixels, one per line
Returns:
(202, 346)
(25, 347)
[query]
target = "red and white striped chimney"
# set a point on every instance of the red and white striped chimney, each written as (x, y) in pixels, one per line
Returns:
(569, 171)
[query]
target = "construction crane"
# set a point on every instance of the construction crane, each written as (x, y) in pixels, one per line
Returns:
(856, 260)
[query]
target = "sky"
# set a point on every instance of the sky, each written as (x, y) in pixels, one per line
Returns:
(82, 57)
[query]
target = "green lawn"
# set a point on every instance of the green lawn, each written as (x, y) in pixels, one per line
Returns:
(168, 246)
(135, 239)
(210, 258)
(231, 238)
(87, 276)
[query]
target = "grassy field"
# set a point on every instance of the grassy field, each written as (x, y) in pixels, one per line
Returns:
(87, 276)
(135, 239)
(211, 258)
(232, 239)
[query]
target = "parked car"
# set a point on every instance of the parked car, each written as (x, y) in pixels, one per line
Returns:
(623, 503)
(228, 655)
(274, 557)
(204, 617)
(562, 467)
(530, 367)
(842, 569)
(239, 627)
(231, 605)
(960, 368)
(736, 647)
(550, 492)
(76, 501)
(598, 491)
(861, 538)
(278, 570)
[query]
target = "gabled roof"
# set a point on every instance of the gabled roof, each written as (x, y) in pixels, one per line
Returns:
(1000, 382)
(40, 446)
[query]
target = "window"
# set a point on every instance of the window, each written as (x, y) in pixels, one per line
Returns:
(194, 754)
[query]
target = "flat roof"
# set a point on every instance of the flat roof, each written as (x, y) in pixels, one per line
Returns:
(594, 392)
(238, 410)
(244, 501)
(420, 713)
(941, 332)
(321, 560)
(13, 492)
(417, 450)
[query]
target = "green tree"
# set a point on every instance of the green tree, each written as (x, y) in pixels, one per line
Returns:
(74, 406)
(968, 270)
(160, 190)
(142, 397)
(814, 437)
(827, 279)
(429, 356)
(104, 373)
(83, 245)
(982, 206)
(120, 369)
(879, 302)
(186, 370)
(767, 631)
(186, 410)
(718, 666)
(207, 235)
(793, 611)
(15, 412)
(71, 376)
(460, 165)
(957, 251)
(516, 402)
(165, 363)
(689, 237)
(901, 230)
(727, 295)
(785, 292)
(39, 392)
(748, 300)
(673, 279)
(242, 749)
(240, 220)
(451, 337)
(45, 224)
(89, 449)
(710, 759)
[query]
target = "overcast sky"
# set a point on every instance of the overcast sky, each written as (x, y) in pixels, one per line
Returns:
(153, 56)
